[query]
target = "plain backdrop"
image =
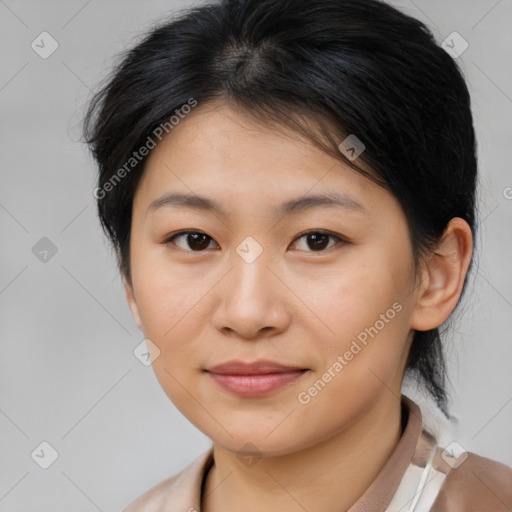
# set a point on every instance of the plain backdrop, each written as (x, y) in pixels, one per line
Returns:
(68, 375)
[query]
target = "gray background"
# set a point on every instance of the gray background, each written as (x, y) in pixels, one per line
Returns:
(68, 375)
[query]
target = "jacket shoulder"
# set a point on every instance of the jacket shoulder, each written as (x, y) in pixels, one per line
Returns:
(178, 492)
(474, 484)
(153, 499)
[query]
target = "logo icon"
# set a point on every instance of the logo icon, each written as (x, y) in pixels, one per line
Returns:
(351, 147)
(249, 454)
(454, 454)
(44, 45)
(249, 250)
(455, 45)
(44, 455)
(44, 250)
(146, 352)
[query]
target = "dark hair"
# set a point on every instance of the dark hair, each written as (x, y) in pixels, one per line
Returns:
(345, 66)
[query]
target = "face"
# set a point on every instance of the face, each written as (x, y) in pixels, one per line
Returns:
(325, 288)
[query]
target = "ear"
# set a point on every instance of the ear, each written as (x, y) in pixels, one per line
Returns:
(442, 276)
(130, 297)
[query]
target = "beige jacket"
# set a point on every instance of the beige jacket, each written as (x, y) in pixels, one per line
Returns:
(419, 476)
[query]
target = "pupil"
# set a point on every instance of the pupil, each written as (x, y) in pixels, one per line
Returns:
(192, 240)
(315, 237)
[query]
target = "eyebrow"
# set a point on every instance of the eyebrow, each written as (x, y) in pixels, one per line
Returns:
(300, 204)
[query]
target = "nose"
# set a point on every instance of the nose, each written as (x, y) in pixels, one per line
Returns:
(252, 302)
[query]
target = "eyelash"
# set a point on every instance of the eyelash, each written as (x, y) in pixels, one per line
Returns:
(302, 235)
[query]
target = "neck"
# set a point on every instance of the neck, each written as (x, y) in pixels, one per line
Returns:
(329, 476)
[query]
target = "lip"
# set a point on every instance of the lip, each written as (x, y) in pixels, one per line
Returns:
(261, 366)
(254, 379)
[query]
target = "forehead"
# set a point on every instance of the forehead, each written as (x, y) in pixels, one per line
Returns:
(219, 153)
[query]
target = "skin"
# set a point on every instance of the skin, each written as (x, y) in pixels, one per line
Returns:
(294, 305)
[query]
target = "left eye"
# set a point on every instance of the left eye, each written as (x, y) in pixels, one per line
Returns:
(318, 240)
(196, 240)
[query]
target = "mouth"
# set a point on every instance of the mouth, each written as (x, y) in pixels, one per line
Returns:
(255, 379)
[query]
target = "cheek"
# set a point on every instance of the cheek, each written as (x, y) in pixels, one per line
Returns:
(169, 305)
(170, 311)
(362, 358)
(364, 315)
(347, 301)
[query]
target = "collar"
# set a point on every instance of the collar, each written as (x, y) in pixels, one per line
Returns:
(401, 472)
(379, 495)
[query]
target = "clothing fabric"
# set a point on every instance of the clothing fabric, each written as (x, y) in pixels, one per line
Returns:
(419, 476)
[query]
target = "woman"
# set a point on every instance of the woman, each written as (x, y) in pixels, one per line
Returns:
(290, 190)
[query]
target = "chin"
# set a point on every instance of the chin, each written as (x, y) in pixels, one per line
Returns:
(258, 443)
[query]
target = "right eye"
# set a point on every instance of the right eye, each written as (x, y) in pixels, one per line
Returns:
(196, 240)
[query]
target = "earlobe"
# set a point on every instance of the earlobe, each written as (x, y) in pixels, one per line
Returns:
(132, 303)
(443, 276)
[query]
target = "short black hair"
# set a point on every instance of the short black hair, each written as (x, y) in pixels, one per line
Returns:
(351, 67)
